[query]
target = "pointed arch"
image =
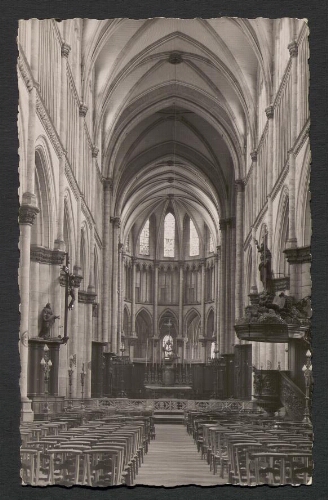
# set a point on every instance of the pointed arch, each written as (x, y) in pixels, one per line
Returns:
(210, 323)
(144, 330)
(303, 211)
(43, 230)
(281, 267)
(126, 320)
(69, 230)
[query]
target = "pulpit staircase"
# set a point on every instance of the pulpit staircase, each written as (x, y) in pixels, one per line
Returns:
(275, 390)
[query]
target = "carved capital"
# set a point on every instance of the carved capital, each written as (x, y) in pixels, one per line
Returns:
(269, 111)
(87, 297)
(27, 214)
(107, 183)
(116, 221)
(95, 152)
(65, 49)
(254, 155)
(240, 185)
(298, 255)
(76, 280)
(225, 223)
(47, 256)
(293, 49)
(83, 109)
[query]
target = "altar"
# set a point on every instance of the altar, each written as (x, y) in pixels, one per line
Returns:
(168, 380)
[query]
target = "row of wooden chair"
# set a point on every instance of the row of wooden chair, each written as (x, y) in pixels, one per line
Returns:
(247, 451)
(99, 453)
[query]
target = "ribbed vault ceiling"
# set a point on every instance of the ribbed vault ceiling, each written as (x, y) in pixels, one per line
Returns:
(175, 106)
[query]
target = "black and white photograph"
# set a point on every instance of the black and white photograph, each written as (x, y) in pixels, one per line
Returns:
(165, 252)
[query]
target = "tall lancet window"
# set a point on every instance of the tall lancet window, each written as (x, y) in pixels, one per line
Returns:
(194, 240)
(211, 243)
(144, 239)
(169, 235)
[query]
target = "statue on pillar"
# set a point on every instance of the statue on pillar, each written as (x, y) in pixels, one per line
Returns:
(265, 264)
(48, 319)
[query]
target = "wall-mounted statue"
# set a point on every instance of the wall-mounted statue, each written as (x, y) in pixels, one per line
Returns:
(48, 319)
(265, 264)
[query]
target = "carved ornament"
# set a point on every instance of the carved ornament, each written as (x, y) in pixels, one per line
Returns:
(254, 155)
(269, 111)
(298, 255)
(65, 49)
(87, 297)
(46, 255)
(27, 214)
(293, 49)
(116, 221)
(83, 109)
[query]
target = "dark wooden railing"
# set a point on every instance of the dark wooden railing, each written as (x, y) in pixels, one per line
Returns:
(292, 398)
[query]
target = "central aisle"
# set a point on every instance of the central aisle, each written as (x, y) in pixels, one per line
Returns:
(173, 460)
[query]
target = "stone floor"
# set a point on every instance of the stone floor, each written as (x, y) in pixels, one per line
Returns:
(173, 460)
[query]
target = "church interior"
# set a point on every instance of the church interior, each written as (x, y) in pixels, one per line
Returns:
(165, 234)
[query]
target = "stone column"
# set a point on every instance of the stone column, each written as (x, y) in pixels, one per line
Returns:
(65, 50)
(202, 300)
(222, 287)
(231, 260)
(89, 305)
(94, 199)
(34, 297)
(292, 240)
(255, 189)
(116, 221)
(181, 263)
(119, 293)
(133, 298)
(216, 294)
(83, 109)
(240, 188)
(27, 214)
(227, 289)
(106, 257)
(269, 113)
(155, 332)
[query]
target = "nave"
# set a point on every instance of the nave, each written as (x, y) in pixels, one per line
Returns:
(173, 461)
(96, 447)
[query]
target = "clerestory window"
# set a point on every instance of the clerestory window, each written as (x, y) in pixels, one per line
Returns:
(144, 239)
(169, 235)
(194, 240)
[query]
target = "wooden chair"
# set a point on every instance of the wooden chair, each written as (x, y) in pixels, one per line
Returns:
(64, 466)
(30, 466)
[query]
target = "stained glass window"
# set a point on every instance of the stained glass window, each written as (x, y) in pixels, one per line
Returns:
(194, 240)
(169, 235)
(144, 239)
(211, 243)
